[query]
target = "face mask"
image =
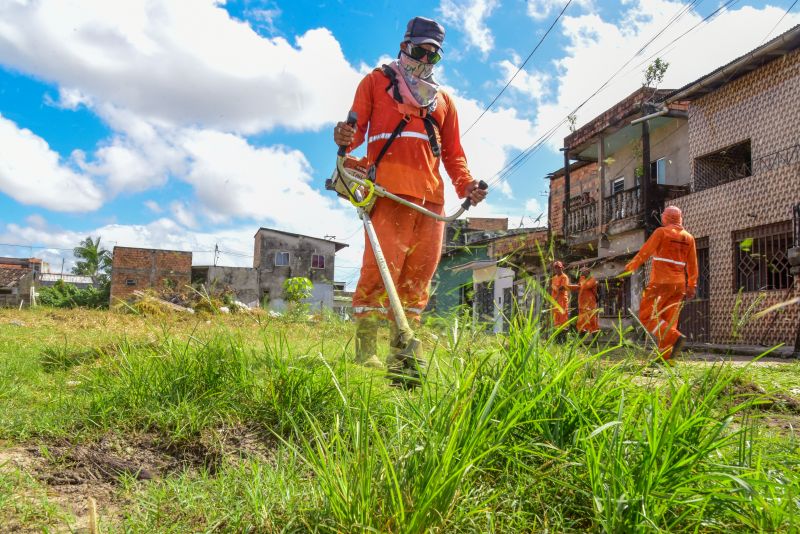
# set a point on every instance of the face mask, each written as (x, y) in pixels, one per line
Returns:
(414, 67)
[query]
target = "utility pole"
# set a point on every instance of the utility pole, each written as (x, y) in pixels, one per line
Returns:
(62, 267)
(216, 253)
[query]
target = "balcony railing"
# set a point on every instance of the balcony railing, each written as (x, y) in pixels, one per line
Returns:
(622, 205)
(582, 219)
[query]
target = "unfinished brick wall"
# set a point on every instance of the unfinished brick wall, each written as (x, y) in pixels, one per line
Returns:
(135, 269)
(763, 107)
(585, 179)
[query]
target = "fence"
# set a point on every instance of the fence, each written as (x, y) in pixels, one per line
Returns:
(582, 219)
(622, 205)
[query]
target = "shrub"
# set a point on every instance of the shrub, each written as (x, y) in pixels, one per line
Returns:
(63, 295)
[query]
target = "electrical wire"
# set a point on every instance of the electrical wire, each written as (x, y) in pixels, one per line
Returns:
(779, 21)
(519, 69)
(521, 158)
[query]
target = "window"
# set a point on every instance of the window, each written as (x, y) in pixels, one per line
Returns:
(130, 282)
(317, 261)
(761, 261)
(484, 302)
(658, 170)
(613, 297)
(281, 259)
(618, 185)
(723, 166)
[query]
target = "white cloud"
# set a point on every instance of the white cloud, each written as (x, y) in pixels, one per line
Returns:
(597, 48)
(470, 16)
(183, 214)
(540, 9)
(531, 84)
(32, 173)
(153, 206)
(181, 62)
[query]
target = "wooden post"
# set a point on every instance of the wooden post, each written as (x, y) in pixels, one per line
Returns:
(646, 186)
(601, 157)
(566, 191)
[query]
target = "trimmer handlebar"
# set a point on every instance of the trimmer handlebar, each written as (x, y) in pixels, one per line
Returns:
(381, 192)
(352, 118)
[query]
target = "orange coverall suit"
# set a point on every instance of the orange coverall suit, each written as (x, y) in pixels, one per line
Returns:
(559, 290)
(587, 304)
(411, 241)
(674, 257)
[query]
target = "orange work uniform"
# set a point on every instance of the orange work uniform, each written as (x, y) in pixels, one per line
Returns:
(674, 269)
(410, 240)
(587, 305)
(559, 290)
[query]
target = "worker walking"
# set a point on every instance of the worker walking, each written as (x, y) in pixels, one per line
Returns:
(559, 291)
(410, 125)
(673, 277)
(588, 321)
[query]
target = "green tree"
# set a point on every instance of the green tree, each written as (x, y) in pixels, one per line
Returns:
(295, 291)
(93, 260)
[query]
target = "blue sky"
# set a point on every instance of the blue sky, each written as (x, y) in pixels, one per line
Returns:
(185, 124)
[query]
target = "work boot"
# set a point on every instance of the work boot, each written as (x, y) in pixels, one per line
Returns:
(367, 342)
(678, 346)
(406, 366)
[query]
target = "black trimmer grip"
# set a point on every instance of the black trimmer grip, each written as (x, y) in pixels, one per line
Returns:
(467, 203)
(352, 119)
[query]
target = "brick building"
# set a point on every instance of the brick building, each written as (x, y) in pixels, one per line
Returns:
(619, 168)
(143, 268)
(744, 152)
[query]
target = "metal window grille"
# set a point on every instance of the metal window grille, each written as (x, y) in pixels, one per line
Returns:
(797, 225)
(724, 166)
(761, 257)
(484, 302)
(704, 269)
(614, 297)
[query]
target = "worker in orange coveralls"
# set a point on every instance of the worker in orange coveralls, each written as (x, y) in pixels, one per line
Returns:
(559, 290)
(410, 125)
(587, 302)
(673, 278)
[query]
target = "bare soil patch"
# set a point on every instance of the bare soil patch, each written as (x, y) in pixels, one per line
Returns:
(71, 473)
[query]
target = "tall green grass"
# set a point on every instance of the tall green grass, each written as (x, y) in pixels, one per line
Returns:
(513, 433)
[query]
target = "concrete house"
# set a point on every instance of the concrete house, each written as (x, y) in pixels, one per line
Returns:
(464, 241)
(279, 255)
(16, 285)
(744, 172)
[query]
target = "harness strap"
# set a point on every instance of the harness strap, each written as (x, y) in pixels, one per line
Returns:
(371, 172)
(431, 126)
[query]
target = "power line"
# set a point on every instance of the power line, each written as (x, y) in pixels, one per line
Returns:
(34, 246)
(519, 69)
(521, 158)
(779, 21)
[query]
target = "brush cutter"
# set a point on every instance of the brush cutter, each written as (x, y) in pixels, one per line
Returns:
(358, 186)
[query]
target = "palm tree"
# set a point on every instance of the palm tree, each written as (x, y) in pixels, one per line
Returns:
(93, 260)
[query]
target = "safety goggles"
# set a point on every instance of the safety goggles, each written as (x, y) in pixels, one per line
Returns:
(417, 52)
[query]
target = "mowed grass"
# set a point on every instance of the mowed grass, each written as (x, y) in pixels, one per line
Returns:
(264, 425)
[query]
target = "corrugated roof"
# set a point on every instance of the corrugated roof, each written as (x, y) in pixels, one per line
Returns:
(68, 278)
(10, 277)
